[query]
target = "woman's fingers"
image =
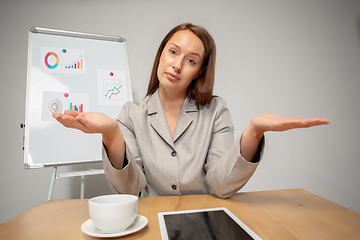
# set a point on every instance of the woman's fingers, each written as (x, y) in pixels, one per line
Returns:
(298, 122)
(69, 121)
(72, 113)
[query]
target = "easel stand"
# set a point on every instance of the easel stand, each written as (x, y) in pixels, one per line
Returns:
(82, 173)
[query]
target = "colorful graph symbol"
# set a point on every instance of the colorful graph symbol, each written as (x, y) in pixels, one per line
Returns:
(112, 89)
(78, 108)
(78, 64)
(55, 106)
(47, 60)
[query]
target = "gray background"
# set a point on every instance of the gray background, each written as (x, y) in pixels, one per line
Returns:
(292, 58)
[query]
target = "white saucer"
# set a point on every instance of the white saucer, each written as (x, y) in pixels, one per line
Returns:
(89, 228)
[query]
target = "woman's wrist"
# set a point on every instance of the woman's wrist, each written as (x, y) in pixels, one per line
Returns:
(112, 135)
(250, 140)
(115, 147)
(254, 132)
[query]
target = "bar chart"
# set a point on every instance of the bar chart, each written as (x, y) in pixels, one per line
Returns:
(75, 65)
(78, 108)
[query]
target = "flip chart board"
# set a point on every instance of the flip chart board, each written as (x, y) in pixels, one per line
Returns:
(71, 70)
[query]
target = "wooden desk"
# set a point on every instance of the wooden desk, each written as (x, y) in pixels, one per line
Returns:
(281, 214)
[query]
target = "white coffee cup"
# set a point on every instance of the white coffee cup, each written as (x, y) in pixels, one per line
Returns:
(113, 213)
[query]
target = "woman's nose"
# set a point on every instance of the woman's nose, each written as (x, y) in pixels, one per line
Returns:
(177, 66)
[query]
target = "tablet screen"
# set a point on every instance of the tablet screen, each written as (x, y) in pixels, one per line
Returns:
(204, 224)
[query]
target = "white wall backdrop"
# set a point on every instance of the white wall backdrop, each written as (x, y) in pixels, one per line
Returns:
(292, 58)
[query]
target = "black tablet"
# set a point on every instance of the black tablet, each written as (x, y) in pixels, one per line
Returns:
(202, 224)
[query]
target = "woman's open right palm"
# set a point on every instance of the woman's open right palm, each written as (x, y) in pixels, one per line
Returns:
(89, 122)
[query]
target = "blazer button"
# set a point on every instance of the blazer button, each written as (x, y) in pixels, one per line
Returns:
(173, 154)
(173, 187)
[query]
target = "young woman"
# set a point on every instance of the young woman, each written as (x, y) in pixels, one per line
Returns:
(179, 139)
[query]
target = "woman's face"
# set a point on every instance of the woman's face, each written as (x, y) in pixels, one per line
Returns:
(180, 62)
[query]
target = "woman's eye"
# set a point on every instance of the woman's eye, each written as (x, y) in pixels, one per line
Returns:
(172, 51)
(192, 62)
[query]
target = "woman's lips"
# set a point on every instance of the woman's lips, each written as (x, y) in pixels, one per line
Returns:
(172, 77)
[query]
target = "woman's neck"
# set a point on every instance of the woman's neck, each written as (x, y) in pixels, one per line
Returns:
(171, 102)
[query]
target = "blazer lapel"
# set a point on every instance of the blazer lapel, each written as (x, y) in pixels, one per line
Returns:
(185, 118)
(159, 123)
(158, 119)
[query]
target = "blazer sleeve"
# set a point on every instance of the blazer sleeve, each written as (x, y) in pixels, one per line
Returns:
(226, 170)
(130, 179)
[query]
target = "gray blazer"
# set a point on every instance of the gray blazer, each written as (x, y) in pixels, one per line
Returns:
(200, 158)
